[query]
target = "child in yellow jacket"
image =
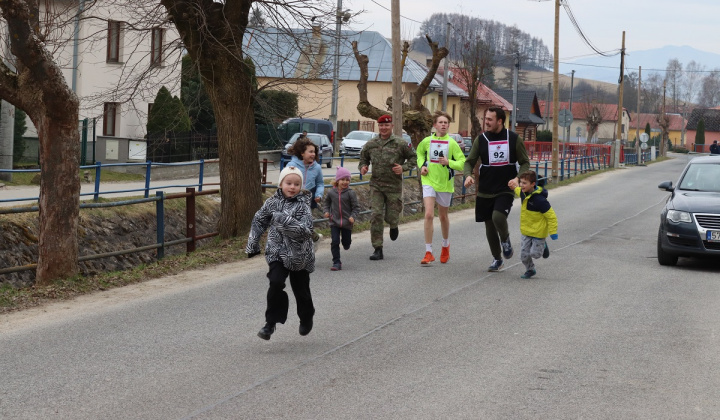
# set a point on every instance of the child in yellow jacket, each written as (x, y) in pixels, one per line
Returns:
(537, 221)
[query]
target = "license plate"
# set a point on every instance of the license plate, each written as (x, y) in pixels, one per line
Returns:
(713, 235)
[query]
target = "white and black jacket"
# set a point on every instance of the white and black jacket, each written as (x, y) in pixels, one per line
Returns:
(289, 223)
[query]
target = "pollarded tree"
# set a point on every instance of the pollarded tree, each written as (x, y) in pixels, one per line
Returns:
(417, 120)
(38, 87)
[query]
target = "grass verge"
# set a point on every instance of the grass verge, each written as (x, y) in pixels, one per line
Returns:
(25, 178)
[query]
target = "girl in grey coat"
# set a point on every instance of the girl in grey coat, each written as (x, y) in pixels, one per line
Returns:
(341, 207)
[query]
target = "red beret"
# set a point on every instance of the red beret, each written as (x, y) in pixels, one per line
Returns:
(385, 119)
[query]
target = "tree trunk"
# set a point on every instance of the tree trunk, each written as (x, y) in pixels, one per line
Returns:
(39, 88)
(59, 195)
(213, 32)
(240, 179)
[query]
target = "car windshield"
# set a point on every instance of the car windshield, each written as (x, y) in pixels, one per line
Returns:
(359, 135)
(701, 177)
(314, 137)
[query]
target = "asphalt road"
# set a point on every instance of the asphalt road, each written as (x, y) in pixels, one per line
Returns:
(602, 331)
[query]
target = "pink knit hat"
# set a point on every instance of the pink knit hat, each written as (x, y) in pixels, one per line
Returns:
(342, 173)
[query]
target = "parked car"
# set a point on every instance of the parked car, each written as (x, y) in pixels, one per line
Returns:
(326, 149)
(354, 141)
(458, 138)
(312, 125)
(468, 144)
(690, 220)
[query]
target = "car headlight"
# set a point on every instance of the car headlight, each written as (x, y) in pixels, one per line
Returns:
(678, 216)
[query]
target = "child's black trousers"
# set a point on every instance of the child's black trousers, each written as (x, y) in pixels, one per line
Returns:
(277, 298)
(336, 234)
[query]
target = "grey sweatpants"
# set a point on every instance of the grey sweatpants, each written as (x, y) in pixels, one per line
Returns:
(531, 248)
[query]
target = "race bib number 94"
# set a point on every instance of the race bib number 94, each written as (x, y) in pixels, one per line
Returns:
(499, 153)
(438, 149)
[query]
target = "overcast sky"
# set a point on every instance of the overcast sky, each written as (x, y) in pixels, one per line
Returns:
(648, 24)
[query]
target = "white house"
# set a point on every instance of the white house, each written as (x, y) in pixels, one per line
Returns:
(115, 57)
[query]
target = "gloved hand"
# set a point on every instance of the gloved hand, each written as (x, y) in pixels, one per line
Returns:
(554, 236)
(252, 254)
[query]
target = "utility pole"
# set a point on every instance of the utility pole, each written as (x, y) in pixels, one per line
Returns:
(516, 69)
(556, 104)
(662, 126)
(637, 123)
(547, 105)
(682, 133)
(396, 69)
(572, 82)
(445, 72)
(620, 102)
(336, 76)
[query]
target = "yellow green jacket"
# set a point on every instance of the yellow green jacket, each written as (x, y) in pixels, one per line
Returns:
(537, 217)
(440, 177)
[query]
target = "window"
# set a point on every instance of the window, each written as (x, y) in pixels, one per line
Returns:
(114, 41)
(453, 113)
(110, 118)
(156, 48)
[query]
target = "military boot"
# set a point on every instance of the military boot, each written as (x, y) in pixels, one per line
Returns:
(377, 255)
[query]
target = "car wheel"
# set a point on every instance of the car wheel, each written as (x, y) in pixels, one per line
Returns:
(329, 162)
(663, 257)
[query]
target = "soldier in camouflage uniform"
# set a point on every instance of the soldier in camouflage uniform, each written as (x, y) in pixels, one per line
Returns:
(390, 156)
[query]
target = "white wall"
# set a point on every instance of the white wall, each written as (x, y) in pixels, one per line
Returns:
(132, 82)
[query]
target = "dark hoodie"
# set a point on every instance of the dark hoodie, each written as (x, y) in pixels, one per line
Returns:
(341, 205)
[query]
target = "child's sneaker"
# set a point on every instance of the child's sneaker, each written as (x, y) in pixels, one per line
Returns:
(266, 331)
(445, 254)
(428, 258)
(528, 274)
(507, 249)
(546, 251)
(336, 267)
(496, 265)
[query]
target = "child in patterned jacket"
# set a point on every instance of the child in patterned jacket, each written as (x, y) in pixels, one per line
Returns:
(289, 250)
(341, 207)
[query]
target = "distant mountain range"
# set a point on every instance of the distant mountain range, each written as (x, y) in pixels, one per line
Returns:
(607, 69)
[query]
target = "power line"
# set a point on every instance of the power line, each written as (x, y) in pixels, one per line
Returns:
(412, 20)
(576, 25)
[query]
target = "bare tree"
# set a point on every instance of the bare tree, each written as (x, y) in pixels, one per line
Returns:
(652, 93)
(417, 120)
(674, 77)
(473, 61)
(37, 86)
(213, 33)
(692, 80)
(710, 91)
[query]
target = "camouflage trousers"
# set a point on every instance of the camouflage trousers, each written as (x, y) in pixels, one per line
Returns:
(385, 207)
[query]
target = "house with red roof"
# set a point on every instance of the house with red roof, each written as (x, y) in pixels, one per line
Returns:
(579, 128)
(486, 98)
(677, 122)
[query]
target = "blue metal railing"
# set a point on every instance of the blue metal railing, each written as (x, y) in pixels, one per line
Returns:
(98, 177)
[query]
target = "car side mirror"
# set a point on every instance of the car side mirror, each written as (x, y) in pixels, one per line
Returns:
(667, 186)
